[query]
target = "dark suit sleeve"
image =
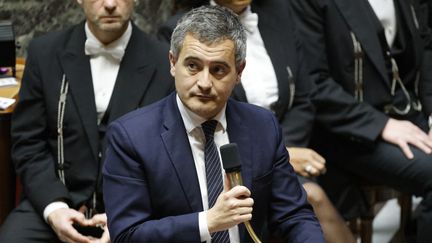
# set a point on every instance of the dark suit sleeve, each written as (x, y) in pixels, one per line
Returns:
(128, 199)
(291, 217)
(424, 16)
(426, 82)
(33, 158)
(298, 120)
(337, 110)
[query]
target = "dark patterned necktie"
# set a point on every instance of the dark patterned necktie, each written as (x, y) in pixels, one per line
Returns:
(213, 174)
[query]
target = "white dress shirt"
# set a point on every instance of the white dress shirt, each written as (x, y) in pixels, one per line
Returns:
(196, 138)
(386, 13)
(104, 70)
(258, 78)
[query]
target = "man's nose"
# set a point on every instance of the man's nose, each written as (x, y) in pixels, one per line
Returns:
(205, 80)
(110, 5)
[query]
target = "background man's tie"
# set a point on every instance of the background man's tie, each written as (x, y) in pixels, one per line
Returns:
(213, 174)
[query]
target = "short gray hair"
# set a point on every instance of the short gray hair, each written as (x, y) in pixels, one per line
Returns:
(210, 24)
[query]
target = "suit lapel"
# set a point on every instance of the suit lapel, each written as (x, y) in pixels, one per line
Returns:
(76, 67)
(239, 133)
(177, 146)
(134, 77)
(365, 31)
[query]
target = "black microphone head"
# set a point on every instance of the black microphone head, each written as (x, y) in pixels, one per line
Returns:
(230, 158)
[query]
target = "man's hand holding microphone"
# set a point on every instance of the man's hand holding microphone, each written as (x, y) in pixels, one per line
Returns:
(234, 204)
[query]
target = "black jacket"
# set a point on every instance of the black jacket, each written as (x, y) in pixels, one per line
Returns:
(143, 78)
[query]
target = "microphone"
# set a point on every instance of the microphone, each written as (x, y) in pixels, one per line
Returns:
(232, 165)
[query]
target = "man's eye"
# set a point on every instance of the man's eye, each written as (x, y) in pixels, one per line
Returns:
(192, 66)
(219, 70)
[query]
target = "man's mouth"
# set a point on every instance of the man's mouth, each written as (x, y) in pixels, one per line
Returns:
(109, 18)
(204, 96)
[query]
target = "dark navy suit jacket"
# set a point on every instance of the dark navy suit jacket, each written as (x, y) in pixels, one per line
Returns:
(151, 188)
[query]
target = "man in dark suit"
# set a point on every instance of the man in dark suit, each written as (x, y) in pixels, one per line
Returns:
(75, 83)
(374, 92)
(157, 183)
(276, 78)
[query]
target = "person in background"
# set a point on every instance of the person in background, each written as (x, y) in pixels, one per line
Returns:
(163, 180)
(374, 92)
(75, 83)
(276, 78)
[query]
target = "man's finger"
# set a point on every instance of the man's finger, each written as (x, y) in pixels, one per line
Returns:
(318, 158)
(423, 137)
(304, 174)
(105, 237)
(100, 219)
(314, 171)
(317, 165)
(243, 210)
(72, 235)
(406, 150)
(80, 219)
(244, 203)
(422, 146)
(427, 140)
(239, 191)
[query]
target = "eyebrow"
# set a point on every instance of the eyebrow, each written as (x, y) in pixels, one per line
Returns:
(193, 58)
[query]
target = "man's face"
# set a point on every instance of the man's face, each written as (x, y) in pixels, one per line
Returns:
(205, 75)
(107, 15)
(236, 6)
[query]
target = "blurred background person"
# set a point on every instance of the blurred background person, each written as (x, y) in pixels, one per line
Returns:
(75, 83)
(374, 92)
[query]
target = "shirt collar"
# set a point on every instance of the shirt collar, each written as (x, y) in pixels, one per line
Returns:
(192, 120)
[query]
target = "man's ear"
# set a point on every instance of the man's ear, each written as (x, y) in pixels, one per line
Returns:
(240, 71)
(173, 61)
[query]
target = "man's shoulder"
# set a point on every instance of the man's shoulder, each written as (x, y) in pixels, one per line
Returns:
(147, 114)
(247, 108)
(56, 37)
(249, 112)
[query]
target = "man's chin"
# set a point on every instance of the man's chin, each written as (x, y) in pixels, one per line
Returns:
(112, 26)
(204, 110)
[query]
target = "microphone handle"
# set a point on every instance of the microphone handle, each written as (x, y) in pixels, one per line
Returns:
(236, 180)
